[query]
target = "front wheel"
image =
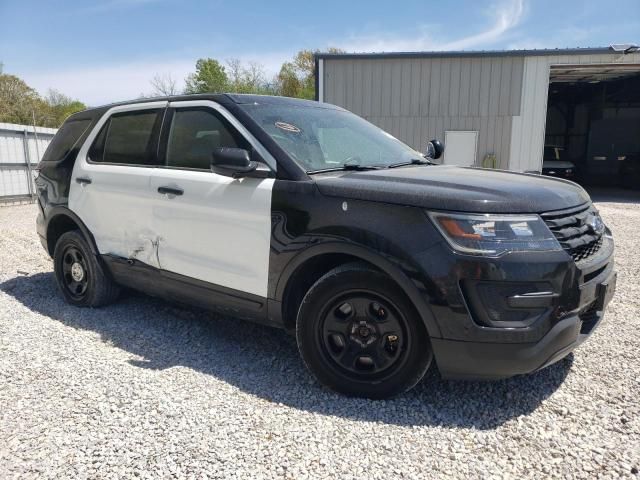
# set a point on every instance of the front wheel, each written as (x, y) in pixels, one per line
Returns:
(359, 334)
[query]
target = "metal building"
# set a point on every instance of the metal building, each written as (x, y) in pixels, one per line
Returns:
(483, 103)
(21, 148)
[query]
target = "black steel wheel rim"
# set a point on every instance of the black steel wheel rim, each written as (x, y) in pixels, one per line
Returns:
(75, 274)
(363, 335)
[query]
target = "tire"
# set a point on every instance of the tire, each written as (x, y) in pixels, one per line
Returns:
(358, 334)
(80, 277)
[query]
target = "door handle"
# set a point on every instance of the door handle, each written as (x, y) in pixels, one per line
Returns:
(83, 180)
(170, 191)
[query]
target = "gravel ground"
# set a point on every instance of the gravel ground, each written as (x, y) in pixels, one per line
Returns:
(143, 388)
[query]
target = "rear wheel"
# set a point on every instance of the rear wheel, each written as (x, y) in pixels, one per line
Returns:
(359, 334)
(80, 277)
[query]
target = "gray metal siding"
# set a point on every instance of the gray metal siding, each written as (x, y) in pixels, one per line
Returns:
(417, 99)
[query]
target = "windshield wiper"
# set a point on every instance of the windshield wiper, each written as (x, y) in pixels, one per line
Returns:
(348, 166)
(413, 161)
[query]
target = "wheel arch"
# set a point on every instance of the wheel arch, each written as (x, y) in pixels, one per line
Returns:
(62, 220)
(308, 266)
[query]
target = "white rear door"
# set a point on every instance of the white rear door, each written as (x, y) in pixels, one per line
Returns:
(216, 228)
(110, 183)
(460, 147)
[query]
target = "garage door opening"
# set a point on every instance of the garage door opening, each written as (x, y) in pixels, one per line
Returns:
(593, 124)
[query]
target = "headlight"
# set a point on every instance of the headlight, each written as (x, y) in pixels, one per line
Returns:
(494, 235)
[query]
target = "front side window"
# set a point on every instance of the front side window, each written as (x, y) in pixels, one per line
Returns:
(195, 134)
(127, 138)
(325, 138)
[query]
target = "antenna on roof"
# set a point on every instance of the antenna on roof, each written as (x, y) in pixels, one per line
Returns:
(624, 47)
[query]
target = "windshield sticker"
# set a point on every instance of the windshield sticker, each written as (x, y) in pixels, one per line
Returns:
(287, 127)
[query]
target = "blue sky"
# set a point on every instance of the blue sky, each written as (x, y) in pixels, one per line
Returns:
(107, 51)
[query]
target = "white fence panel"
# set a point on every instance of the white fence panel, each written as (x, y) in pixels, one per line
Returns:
(20, 152)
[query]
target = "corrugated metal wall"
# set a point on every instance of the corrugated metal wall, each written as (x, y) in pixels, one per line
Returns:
(417, 99)
(503, 97)
(17, 147)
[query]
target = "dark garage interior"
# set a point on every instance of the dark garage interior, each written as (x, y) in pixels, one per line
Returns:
(593, 118)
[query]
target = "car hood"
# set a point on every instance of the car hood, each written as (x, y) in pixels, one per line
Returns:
(465, 189)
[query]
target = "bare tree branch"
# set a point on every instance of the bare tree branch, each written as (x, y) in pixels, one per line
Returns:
(164, 85)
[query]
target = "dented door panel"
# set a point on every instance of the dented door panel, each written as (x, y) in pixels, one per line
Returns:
(116, 207)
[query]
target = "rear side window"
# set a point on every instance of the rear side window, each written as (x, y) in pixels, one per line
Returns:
(194, 135)
(65, 139)
(127, 138)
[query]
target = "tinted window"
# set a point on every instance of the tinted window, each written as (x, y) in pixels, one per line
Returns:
(65, 139)
(195, 133)
(127, 138)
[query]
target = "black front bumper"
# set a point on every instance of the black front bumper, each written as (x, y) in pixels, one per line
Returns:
(477, 351)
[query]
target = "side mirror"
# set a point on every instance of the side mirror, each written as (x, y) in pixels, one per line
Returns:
(435, 149)
(232, 162)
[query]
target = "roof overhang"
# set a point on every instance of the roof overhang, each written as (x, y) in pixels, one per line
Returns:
(479, 53)
(592, 73)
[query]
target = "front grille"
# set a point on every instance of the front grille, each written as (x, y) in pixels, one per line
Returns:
(573, 232)
(585, 251)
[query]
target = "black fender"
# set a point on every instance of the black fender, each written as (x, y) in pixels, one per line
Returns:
(384, 264)
(58, 211)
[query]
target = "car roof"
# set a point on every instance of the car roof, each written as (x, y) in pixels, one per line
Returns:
(221, 98)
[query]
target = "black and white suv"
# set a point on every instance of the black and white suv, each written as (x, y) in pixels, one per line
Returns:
(304, 216)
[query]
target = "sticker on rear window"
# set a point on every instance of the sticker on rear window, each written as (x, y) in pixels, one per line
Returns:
(287, 127)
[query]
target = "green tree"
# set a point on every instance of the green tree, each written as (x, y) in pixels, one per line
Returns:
(210, 76)
(297, 78)
(21, 104)
(17, 100)
(289, 85)
(57, 107)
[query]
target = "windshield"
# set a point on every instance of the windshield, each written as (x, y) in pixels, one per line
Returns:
(323, 138)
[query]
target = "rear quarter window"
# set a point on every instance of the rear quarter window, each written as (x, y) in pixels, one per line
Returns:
(65, 139)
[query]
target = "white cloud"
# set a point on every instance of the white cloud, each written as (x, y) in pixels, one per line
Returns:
(506, 16)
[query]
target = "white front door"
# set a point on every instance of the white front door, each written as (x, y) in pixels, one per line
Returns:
(212, 227)
(460, 147)
(110, 182)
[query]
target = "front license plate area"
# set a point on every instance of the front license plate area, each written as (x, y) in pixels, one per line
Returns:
(605, 291)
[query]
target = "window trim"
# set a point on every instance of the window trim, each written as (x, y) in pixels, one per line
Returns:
(133, 107)
(224, 113)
